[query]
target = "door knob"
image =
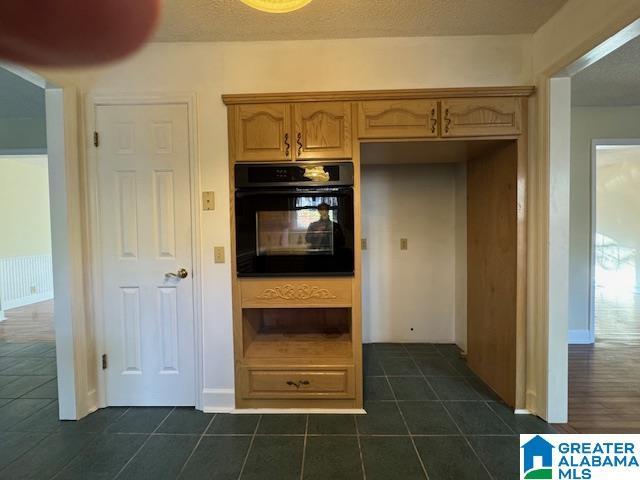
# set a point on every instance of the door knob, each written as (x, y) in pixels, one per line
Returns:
(182, 273)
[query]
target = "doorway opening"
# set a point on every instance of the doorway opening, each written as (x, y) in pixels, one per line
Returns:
(28, 369)
(615, 299)
(603, 318)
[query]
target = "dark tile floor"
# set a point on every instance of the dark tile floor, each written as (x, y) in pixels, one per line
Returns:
(428, 417)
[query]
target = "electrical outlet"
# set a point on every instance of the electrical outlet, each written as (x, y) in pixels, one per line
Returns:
(218, 254)
(34, 290)
(363, 244)
(404, 244)
(208, 201)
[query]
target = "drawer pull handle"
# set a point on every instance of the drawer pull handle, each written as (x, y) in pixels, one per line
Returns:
(447, 120)
(287, 144)
(299, 142)
(300, 383)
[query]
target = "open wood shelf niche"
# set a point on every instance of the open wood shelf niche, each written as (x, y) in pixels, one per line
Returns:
(297, 336)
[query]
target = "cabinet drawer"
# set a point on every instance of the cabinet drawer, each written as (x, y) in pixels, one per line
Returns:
(398, 119)
(478, 117)
(284, 293)
(334, 383)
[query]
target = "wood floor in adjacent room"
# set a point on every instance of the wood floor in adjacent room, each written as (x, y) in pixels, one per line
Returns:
(604, 378)
(32, 323)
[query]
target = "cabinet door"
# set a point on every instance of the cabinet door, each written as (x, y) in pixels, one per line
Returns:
(479, 117)
(398, 119)
(263, 132)
(323, 130)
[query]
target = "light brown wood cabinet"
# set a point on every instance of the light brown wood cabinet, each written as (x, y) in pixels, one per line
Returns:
(479, 117)
(398, 119)
(284, 132)
(263, 133)
(323, 130)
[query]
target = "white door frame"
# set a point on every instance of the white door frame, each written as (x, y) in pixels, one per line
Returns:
(595, 143)
(93, 208)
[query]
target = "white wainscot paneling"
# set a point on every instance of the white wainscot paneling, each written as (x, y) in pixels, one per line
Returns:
(25, 280)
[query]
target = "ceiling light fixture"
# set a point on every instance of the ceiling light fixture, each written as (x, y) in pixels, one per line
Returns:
(276, 6)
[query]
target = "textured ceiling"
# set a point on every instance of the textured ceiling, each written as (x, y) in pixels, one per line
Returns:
(19, 98)
(222, 20)
(613, 81)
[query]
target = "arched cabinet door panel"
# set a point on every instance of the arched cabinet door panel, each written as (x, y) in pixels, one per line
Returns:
(322, 130)
(479, 117)
(400, 119)
(263, 133)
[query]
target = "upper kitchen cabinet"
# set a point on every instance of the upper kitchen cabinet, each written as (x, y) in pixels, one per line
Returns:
(398, 119)
(263, 132)
(481, 117)
(322, 130)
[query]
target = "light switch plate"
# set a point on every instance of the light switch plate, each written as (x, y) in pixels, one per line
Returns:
(363, 244)
(218, 254)
(208, 201)
(404, 244)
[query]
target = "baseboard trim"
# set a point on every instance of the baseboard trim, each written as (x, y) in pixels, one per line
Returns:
(580, 337)
(30, 300)
(218, 400)
(269, 411)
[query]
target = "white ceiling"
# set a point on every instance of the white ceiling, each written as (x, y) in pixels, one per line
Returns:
(613, 81)
(231, 20)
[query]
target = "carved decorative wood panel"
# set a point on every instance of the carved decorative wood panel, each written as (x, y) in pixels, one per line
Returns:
(475, 117)
(263, 132)
(398, 119)
(323, 130)
(293, 293)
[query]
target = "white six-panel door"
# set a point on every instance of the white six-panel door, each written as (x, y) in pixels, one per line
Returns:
(145, 229)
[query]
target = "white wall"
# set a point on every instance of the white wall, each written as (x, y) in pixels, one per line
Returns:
(410, 295)
(588, 123)
(211, 69)
(24, 206)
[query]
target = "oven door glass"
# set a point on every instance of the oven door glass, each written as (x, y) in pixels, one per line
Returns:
(294, 231)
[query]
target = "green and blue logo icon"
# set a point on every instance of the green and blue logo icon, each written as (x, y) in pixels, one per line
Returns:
(537, 459)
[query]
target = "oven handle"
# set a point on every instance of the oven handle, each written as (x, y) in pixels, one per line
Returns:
(301, 192)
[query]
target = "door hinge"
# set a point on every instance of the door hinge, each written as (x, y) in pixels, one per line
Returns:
(96, 139)
(104, 361)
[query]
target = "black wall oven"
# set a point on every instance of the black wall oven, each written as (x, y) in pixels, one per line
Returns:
(294, 219)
